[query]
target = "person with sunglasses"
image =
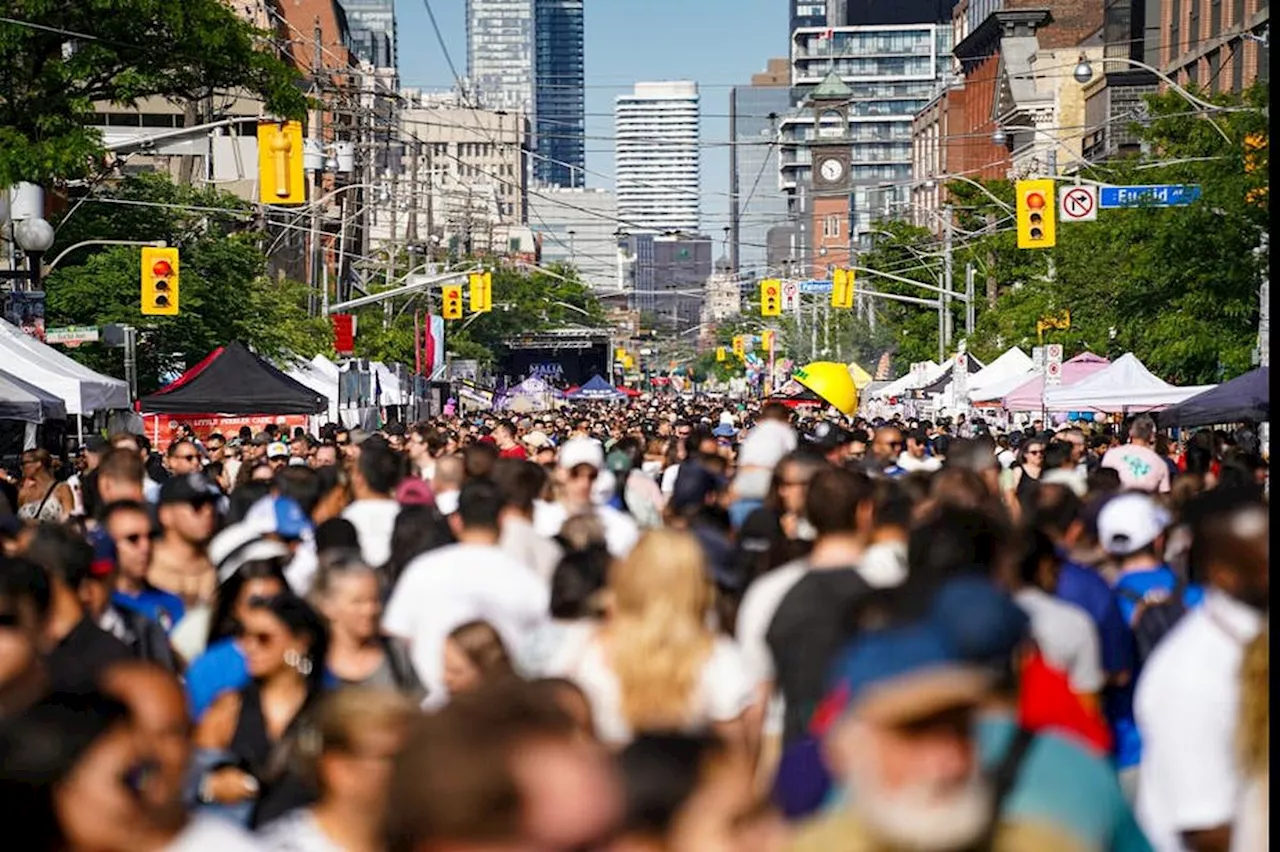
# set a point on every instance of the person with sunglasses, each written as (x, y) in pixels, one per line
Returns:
(188, 514)
(128, 524)
(182, 458)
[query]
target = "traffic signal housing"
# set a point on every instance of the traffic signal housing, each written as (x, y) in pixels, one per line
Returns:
(160, 273)
(770, 297)
(1037, 213)
(481, 287)
(281, 178)
(451, 301)
(842, 288)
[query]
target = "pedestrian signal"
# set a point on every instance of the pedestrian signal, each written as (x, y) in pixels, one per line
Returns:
(481, 292)
(842, 288)
(1036, 212)
(770, 297)
(281, 179)
(451, 300)
(159, 281)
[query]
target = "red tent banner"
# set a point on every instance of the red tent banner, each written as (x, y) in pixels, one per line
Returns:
(163, 428)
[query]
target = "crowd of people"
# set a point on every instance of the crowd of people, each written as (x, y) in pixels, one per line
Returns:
(667, 625)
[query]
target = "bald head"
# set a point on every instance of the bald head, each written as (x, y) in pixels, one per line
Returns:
(887, 443)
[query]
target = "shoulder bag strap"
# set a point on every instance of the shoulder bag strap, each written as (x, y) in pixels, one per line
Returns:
(1003, 781)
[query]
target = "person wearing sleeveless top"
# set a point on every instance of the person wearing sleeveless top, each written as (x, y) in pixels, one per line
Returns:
(246, 738)
(42, 498)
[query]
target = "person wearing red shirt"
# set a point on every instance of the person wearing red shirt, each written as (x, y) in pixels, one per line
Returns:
(504, 435)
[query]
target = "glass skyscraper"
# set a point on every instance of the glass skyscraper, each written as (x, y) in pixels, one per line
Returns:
(559, 92)
(371, 25)
(500, 54)
(756, 204)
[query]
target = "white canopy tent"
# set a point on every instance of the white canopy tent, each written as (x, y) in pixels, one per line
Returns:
(83, 390)
(899, 386)
(1123, 387)
(1011, 363)
(315, 377)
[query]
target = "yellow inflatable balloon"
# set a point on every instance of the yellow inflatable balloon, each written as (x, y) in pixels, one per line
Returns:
(831, 381)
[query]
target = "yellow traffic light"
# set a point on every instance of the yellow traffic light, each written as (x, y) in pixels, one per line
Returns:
(720, 353)
(767, 339)
(842, 288)
(739, 347)
(1036, 214)
(770, 297)
(481, 287)
(281, 179)
(159, 281)
(451, 301)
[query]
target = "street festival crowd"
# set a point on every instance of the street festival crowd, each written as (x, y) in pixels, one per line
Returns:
(667, 624)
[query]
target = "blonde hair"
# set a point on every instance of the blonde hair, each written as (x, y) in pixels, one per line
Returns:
(1253, 731)
(658, 636)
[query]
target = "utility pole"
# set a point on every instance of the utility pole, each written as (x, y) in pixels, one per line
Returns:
(946, 274)
(318, 177)
(411, 229)
(1264, 304)
(970, 309)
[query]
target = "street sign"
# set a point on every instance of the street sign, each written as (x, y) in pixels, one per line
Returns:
(72, 335)
(1078, 204)
(1159, 195)
(816, 285)
(790, 296)
(1053, 353)
(1053, 373)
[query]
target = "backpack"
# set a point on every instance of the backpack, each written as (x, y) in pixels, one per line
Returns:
(1153, 619)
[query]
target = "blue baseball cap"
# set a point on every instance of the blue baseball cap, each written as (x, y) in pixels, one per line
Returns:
(281, 516)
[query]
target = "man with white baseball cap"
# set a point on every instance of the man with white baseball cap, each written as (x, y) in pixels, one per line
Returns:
(579, 466)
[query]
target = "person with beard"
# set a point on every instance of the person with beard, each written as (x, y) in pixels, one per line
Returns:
(1190, 780)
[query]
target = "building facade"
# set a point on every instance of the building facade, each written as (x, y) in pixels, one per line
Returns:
(371, 27)
(890, 74)
(756, 202)
(578, 226)
(1208, 42)
(657, 158)
(560, 104)
(500, 54)
(666, 276)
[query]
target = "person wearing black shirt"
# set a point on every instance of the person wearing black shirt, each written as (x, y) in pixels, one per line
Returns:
(77, 650)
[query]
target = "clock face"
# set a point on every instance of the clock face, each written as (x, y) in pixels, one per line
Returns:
(831, 169)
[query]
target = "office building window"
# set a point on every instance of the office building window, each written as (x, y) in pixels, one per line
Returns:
(1215, 18)
(1215, 68)
(1193, 27)
(1237, 67)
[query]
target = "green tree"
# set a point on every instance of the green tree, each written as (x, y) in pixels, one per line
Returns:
(64, 56)
(225, 291)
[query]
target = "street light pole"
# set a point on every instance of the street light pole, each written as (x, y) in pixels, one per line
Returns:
(947, 270)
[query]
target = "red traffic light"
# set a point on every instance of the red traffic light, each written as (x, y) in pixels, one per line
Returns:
(771, 291)
(162, 269)
(1035, 200)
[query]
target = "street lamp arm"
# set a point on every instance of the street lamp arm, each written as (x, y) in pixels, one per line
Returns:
(66, 251)
(928, 303)
(979, 186)
(1084, 73)
(958, 296)
(403, 290)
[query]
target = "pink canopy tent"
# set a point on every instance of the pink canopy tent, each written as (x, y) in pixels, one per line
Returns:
(1030, 395)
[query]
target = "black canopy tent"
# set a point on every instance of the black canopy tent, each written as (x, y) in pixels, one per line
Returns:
(1243, 398)
(234, 381)
(939, 384)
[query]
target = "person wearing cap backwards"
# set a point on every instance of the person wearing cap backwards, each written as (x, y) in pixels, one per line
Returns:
(1131, 529)
(187, 512)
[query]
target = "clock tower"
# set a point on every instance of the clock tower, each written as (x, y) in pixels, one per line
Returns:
(830, 183)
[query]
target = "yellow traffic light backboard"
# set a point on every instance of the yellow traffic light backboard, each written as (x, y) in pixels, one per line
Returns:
(281, 179)
(451, 301)
(1037, 209)
(770, 297)
(842, 288)
(159, 281)
(739, 346)
(720, 353)
(481, 286)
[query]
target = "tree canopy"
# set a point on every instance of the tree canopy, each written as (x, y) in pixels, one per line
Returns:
(62, 57)
(224, 288)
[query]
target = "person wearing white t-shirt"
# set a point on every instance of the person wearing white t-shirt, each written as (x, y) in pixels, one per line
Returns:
(373, 512)
(655, 664)
(1187, 701)
(915, 456)
(579, 464)
(468, 581)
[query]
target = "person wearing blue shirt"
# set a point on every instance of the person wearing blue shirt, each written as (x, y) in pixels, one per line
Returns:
(1131, 528)
(219, 669)
(130, 526)
(158, 605)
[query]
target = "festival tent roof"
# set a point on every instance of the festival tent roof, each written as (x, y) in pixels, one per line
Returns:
(1028, 396)
(1013, 362)
(20, 400)
(597, 388)
(389, 382)
(861, 378)
(943, 379)
(1245, 397)
(319, 380)
(232, 380)
(902, 384)
(1123, 386)
(39, 364)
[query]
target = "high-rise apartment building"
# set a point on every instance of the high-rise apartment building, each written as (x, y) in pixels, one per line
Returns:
(756, 205)
(559, 93)
(656, 162)
(371, 28)
(808, 13)
(500, 54)
(526, 56)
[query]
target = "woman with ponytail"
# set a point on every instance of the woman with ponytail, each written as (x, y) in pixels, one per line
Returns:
(654, 664)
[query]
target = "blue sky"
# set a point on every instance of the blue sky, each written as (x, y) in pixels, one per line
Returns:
(717, 43)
